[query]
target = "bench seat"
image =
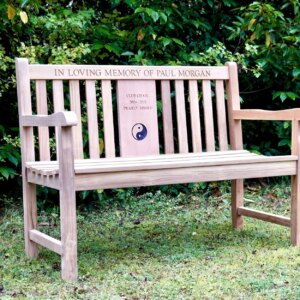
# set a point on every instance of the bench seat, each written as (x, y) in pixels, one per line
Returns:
(179, 168)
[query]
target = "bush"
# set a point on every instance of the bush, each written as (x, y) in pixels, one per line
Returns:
(257, 35)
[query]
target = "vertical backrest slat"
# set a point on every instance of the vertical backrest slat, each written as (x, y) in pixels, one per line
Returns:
(167, 116)
(108, 121)
(235, 126)
(181, 117)
(75, 106)
(58, 95)
(42, 109)
(195, 116)
(58, 103)
(92, 115)
(221, 115)
(208, 116)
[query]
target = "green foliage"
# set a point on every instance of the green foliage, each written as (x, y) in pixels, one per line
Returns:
(9, 156)
(218, 55)
(63, 54)
(273, 27)
(261, 36)
(6, 63)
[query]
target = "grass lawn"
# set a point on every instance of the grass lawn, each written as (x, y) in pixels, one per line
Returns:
(159, 247)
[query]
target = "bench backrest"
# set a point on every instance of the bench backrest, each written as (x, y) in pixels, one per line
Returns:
(127, 102)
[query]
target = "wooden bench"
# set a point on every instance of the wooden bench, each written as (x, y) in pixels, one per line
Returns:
(127, 101)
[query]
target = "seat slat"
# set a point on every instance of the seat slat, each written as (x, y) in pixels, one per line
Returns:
(75, 106)
(83, 169)
(42, 109)
(163, 157)
(90, 91)
(53, 165)
(181, 117)
(167, 116)
(109, 165)
(108, 121)
(168, 157)
(208, 116)
(221, 115)
(50, 165)
(195, 116)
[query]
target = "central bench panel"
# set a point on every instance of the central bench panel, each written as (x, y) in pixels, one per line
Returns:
(137, 114)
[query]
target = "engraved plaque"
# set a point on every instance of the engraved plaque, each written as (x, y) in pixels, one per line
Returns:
(137, 113)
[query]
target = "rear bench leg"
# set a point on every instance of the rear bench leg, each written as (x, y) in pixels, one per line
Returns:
(295, 211)
(30, 217)
(237, 197)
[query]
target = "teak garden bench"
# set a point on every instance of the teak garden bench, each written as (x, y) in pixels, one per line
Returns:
(128, 101)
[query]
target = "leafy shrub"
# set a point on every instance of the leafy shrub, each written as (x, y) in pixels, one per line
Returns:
(9, 156)
(261, 36)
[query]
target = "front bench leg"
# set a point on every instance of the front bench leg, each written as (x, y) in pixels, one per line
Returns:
(67, 197)
(237, 200)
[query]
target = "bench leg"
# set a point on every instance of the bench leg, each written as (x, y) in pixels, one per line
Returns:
(295, 211)
(237, 197)
(30, 217)
(68, 233)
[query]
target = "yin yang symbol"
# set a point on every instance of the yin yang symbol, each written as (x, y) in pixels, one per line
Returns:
(139, 131)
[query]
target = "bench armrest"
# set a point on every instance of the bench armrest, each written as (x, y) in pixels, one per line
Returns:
(61, 119)
(259, 114)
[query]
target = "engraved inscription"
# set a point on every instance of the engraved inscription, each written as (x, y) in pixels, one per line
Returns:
(194, 73)
(123, 73)
(78, 72)
(137, 102)
(131, 73)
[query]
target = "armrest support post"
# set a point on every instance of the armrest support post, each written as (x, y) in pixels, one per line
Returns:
(236, 141)
(235, 126)
(295, 201)
(67, 203)
(295, 137)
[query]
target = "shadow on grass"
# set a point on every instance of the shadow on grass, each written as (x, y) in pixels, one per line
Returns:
(168, 242)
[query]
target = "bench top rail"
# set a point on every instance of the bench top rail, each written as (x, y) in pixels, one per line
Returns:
(113, 72)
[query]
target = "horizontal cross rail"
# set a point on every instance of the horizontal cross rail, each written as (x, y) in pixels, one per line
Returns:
(268, 217)
(46, 241)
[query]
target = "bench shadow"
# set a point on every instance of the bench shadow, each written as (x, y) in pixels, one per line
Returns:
(164, 241)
